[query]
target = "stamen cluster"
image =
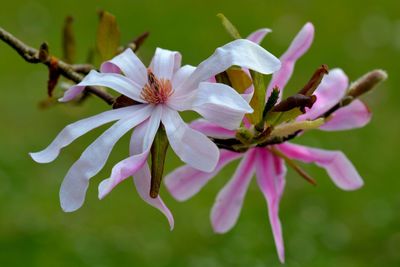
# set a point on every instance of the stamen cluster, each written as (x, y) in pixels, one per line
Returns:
(156, 91)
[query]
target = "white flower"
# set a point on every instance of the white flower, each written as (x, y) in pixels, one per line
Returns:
(162, 90)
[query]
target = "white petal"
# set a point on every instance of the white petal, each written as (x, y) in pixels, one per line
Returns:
(217, 103)
(191, 146)
(142, 177)
(165, 63)
(181, 75)
(128, 63)
(117, 82)
(92, 160)
(132, 164)
(79, 128)
(243, 53)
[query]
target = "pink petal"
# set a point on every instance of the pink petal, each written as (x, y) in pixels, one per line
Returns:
(181, 75)
(142, 177)
(258, 35)
(217, 103)
(185, 182)
(355, 115)
(129, 64)
(79, 128)
(331, 90)
(92, 160)
(337, 165)
(240, 52)
(228, 204)
(271, 172)
(211, 129)
(191, 146)
(165, 63)
(117, 82)
(297, 48)
(130, 165)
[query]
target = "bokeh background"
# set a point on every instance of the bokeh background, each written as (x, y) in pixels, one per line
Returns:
(322, 225)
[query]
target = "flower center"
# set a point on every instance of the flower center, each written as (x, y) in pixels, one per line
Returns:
(156, 91)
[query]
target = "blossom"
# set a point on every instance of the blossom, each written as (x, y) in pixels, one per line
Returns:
(268, 167)
(161, 91)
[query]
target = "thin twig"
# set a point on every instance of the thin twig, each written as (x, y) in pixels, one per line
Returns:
(35, 56)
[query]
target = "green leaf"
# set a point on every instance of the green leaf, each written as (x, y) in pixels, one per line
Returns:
(229, 27)
(158, 154)
(108, 36)
(239, 79)
(276, 118)
(287, 129)
(258, 100)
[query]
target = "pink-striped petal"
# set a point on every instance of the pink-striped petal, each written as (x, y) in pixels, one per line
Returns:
(211, 129)
(355, 115)
(240, 52)
(191, 146)
(165, 63)
(331, 90)
(117, 82)
(129, 64)
(92, 160)
(337, 165)
(79, 128)
(185, 182)
(130, 165)
(142, 177)
(271, 172)
(229, 202)
(297, 48)
(258, 35)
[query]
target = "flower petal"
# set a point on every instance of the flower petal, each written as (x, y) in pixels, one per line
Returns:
(142, 177)
(337, 165)
(92, 160)
(211, 129)
(185, 182)
(228, 204)
(271, 172)
(165, 63)
(79, 128)
(297, 48)
(218, 103)
(191, 146)
(331, 90)
(258, 35)
(355, 115)
(130, 165)
(117, 82)
(181, 75)
(243, 53)
(129, 64)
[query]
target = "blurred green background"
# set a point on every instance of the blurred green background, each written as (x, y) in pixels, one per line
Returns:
(322, 225)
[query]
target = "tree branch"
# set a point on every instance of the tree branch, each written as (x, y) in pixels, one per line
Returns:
(42, 56)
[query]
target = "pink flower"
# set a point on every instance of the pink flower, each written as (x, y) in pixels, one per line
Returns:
(270, 170)
(162, 90)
